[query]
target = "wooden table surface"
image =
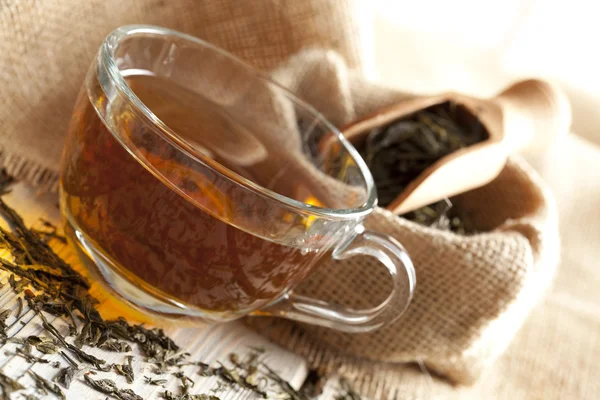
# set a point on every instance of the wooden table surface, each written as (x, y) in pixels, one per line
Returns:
(207, 343)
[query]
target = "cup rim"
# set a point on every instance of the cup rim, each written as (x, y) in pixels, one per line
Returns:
(107, 60)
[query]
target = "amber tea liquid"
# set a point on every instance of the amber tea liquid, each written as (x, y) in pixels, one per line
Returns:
(157, 239)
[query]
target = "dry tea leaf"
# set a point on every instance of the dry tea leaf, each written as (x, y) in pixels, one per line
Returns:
(109, 387)
(43, 344)
(154, 382)
(8, 386)
(126, 369)
(47, 386)
(65, 376)
(116, 346)
(170, 396)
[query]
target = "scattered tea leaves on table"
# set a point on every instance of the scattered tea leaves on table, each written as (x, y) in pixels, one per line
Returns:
(170, 396)
(110, 388)
(17, 285)
(71, 362)
(43, 344)
(105, 386)
(116, 346)
(204, 369)
(126, 369)
(8, 385)
(80, 354)
(236, 377)
(4, 314)
(155, 382)
(46, 386)
(186, 382)
(25, 352)
(284, 385)
(65, 376)
(50, 232)
(20, 307)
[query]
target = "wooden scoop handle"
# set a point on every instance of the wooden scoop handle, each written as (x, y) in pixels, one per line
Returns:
(528, 112)
(534, 113)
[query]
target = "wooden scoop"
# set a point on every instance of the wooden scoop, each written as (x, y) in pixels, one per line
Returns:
(527, 111)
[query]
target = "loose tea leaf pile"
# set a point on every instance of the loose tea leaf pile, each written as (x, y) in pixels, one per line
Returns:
(51, 287)
(399, 152)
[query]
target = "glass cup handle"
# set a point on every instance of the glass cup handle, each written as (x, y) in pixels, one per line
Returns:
(317, 312)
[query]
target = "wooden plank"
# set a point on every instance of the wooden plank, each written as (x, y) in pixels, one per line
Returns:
(207, 343)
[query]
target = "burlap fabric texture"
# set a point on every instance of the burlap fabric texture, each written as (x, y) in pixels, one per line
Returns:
(473, 292)
(46, 48)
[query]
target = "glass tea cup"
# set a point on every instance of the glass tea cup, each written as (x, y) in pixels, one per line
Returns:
(195, 186)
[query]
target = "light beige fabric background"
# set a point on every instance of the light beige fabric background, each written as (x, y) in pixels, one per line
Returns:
(478, 47)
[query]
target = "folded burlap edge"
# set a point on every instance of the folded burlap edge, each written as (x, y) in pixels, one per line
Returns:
(542, 233)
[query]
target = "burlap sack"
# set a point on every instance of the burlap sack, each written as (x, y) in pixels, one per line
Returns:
(473, 292)
(46, 48)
